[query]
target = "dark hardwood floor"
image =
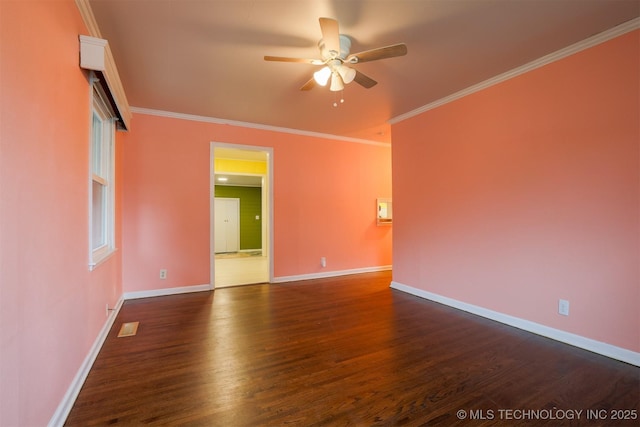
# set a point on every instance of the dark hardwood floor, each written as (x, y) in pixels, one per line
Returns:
(342, 351)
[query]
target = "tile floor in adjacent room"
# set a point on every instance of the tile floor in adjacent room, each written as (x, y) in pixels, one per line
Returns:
(240, 270)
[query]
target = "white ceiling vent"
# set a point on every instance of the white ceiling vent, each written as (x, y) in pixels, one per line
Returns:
(95, 55)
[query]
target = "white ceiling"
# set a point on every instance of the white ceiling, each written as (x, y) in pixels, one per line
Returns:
(205, 57)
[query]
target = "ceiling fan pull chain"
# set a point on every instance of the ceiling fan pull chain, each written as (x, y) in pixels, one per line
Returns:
(335, 98)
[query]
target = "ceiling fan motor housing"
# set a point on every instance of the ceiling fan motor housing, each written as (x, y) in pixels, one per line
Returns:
(345, 48)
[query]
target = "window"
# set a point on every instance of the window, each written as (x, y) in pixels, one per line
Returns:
(101, 188)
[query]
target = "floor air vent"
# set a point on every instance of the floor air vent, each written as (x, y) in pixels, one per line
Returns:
(128, 329)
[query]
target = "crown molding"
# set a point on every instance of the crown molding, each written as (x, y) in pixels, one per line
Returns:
(105, 65)
(205, 119)
(597, 39)
(88, 17)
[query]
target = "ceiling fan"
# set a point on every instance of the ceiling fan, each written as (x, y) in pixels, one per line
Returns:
(334, 51)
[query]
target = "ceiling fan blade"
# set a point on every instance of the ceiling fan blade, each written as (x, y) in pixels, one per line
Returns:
(399, 49)
(364, 80)
(330, 34)
(299, 60)
(309, 85)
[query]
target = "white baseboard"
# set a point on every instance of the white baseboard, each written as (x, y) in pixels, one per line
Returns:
(166, 291)
(336, 273)
(579, 341)
(62, 412)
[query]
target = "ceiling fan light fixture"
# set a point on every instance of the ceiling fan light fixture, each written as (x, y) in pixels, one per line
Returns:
(322, 76)
(336, 59)
(336, 82)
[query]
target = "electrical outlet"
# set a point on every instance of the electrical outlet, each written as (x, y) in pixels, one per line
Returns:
(563, 307)
(163, 274)
(323, 262)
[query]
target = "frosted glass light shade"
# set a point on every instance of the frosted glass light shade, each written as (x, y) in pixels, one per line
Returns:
(347, 74)
(336, 83)
(322, 76)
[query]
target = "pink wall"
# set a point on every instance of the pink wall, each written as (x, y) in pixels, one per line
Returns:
(51, 307)
(528, 192)
(324, 201)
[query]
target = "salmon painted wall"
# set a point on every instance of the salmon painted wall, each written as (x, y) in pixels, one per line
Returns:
(529, 193)
(51, 307)
(324, 201)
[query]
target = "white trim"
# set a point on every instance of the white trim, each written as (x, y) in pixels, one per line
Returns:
(64, 408)
(104, 175)
(165, 292)
(335, 273)
(62, 412)
(579, 341)
(212, 207)
(545, 60)
(267, 212)
(88, 17)
(96, 56)
(93, 265)
(258, 126)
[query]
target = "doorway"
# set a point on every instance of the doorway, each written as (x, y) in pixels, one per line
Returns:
(242, 173)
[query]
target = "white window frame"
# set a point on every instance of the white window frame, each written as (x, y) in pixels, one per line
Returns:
(101, 172)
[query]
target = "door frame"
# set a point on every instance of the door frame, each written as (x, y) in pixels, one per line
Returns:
(267, 196)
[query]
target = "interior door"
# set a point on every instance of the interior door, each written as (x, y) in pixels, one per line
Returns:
(227, 224)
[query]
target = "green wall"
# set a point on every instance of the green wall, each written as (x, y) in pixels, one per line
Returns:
(250, 206)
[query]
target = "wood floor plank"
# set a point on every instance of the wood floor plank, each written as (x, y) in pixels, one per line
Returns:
(343, 351)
